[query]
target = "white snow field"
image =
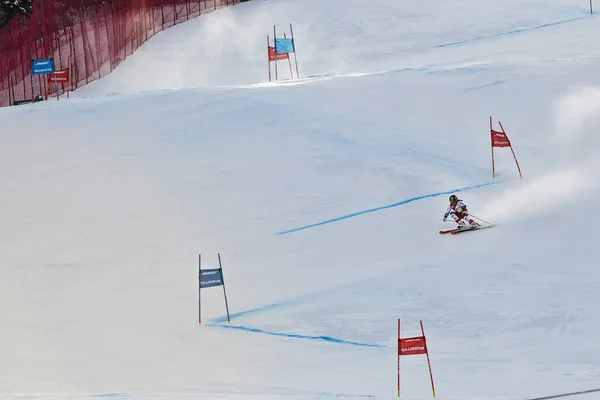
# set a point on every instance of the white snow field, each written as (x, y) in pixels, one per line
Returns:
(324, 197)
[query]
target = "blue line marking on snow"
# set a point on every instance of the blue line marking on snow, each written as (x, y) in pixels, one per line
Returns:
(356, 214)
(484, 86)
(297, 336)
(268, 307)
(556, 396)
(516, 31)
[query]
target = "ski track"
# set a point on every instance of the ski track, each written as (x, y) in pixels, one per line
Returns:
(507, 33)
(495, 83)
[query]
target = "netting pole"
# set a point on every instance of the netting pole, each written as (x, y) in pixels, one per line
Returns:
(41, 82)
(55, 83)
(110, 63)
(97, 40)
(10, 101)
(73, 59)
(58, 48)
(31, 63)
(70, 88)
(145, 26)
(84, 45)
(123, 17)
(120, 32)
(132, 22)
(67, 41)
(153, 19)
(11, 88)
(21, 50)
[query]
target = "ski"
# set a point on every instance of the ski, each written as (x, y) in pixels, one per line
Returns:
(462, 228)
(448, 231)
(469, 229)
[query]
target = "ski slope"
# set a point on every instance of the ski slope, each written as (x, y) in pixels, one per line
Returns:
(324, 197)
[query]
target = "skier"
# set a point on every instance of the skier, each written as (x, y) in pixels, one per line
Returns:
(457, 210)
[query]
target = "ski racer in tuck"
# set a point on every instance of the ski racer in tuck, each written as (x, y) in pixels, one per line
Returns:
(457, 210)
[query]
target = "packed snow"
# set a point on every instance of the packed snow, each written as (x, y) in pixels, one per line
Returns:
(324, 196)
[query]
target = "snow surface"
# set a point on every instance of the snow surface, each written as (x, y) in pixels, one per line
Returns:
(324, 196)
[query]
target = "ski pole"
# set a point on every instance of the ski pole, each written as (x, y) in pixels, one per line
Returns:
(482, 220)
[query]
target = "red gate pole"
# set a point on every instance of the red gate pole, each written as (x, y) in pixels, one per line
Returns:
(492, 144)
(513, 152)
(428, 362)
(398, 355)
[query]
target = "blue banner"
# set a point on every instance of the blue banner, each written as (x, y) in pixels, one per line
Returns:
(40, 67)
(210, 277)
(284, 46)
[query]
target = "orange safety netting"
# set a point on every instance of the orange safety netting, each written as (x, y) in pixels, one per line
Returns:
(93, 35)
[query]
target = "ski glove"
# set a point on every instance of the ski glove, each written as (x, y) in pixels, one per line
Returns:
(445, 217)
